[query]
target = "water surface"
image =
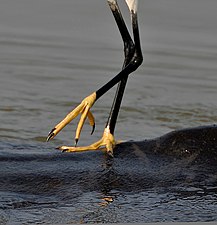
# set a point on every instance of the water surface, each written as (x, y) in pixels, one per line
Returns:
(54, 53)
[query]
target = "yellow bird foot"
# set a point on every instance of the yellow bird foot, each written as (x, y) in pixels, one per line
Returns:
(84, 110)
(107, 142)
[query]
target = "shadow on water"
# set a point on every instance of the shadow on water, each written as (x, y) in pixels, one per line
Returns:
(181, 162)
(179, 156)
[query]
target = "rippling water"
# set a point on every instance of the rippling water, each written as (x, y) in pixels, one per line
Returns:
(54, 53)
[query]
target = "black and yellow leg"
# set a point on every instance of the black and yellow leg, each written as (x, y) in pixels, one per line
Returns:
(133, 59)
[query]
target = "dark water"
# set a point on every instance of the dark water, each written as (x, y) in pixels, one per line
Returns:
(54, 53)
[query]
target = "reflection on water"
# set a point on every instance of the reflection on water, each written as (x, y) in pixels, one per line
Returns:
(55, 53)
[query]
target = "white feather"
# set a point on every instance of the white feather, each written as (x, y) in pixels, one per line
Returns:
(112, 1)
(132, 4)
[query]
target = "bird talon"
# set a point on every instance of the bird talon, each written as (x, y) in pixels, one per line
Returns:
(50, 134)
(106, 143)
(65, 150)
(84, 109)
(93, 129)
(76, 141)
(110, 153)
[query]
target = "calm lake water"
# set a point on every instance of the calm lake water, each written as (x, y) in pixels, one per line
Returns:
(52, 55)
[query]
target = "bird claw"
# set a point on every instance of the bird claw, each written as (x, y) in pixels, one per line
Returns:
(62, 149)
(51, 134)
(107, 142)
(110, 153)
(84, 109)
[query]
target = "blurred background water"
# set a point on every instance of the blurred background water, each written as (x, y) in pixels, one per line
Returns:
(54, 53)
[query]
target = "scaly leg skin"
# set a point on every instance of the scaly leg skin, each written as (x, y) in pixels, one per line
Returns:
(84, 110)
(107, 142)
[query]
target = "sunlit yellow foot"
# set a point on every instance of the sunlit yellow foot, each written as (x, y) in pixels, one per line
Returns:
(84, 110)
(107, 142)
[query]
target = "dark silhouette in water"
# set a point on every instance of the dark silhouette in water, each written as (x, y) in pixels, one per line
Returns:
(179, 158)
(198, 143)
(175, 166)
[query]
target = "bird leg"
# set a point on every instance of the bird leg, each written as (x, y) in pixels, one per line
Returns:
(84, 109)
(133, 59)
(107, 142)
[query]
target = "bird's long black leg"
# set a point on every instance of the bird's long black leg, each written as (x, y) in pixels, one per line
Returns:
(134, 63)
(121, 87)
(129, 49)
(129, 66)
